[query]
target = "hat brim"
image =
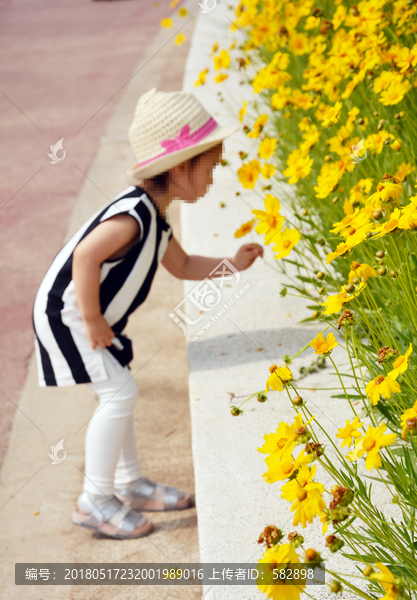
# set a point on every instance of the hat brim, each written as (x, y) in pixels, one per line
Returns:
(168, 161)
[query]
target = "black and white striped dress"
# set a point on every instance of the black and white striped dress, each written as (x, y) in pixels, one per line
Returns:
(64, 354)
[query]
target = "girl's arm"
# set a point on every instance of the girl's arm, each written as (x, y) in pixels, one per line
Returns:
(182, 266)
(108, 238)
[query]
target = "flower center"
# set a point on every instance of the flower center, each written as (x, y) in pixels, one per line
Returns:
(391, 224)
(287, 466)
(287, 244)
(281, 442)
(271, 220)
(301, 495)
(379, 379)
(368, 444)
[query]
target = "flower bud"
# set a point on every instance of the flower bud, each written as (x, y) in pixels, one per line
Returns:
(313, 448)
(355, 281)
(336, 199)
(311, 555)
(380, 262)
(320, 275)
(386, 353)
(271, 535)
(302, 435)
(261, 397)
(304, 212)
(350, 288)
(335, 587)
(380, 254)
(236, 411)
(295, 539)
(355, 203)
(381, 271)
(367, 571)
(315, 314)
(393, 274)
(347, 318)
(377, 214)
(297, 401)
(334, 543)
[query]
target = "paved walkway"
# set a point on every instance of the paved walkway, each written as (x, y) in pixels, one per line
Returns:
(63, 54)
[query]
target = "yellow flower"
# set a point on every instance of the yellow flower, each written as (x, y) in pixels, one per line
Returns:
(392, 588)
(243, 110)
(382, 386)
(395, 93)
(281, 469)
(285, 242)
(183, 12)
(180, 39)
(222, 60)
(267, 148)
(410, 413)
(401, 364)
(385, 191)
(328, 180)
(167, 23)
(331, 114)
(214, 48)
(371, 444)
(312, 23)
(375, 141)
(349, 431)
(276, 443)
(324, 346)
(279, 554)
(245, 228)
(249, 173)
(389, 226)
(408, 219)
(201, 79)
(341, 249)
(361, 271)
(306, 496)
(258, 126)
(279, 99)
(267, 171)
(403, 170)
(299, 166)
(278, 378)
(270, 220)
(354, 220)
(339, 16)
(335, 303)
(221, 77)
(299, 43)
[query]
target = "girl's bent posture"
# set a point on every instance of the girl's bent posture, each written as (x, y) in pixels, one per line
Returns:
(100, 277)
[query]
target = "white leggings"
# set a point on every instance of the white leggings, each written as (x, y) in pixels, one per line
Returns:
(110, 447)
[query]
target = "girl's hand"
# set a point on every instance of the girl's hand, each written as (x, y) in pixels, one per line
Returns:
(99, 332)
(246, 255)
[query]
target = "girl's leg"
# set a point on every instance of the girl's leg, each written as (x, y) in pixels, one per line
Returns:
(127, 469)
(110, 424)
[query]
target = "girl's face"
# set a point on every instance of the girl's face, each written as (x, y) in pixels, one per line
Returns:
(193, 177)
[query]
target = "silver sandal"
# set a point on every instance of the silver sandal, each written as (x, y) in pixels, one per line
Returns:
(166, 497)
(113, 518)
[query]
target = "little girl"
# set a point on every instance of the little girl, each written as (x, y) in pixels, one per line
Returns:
(100, 277)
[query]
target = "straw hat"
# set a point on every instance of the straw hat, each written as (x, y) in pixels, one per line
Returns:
(169, 128)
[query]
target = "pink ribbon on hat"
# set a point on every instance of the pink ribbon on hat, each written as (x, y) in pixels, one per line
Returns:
(184, 139)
